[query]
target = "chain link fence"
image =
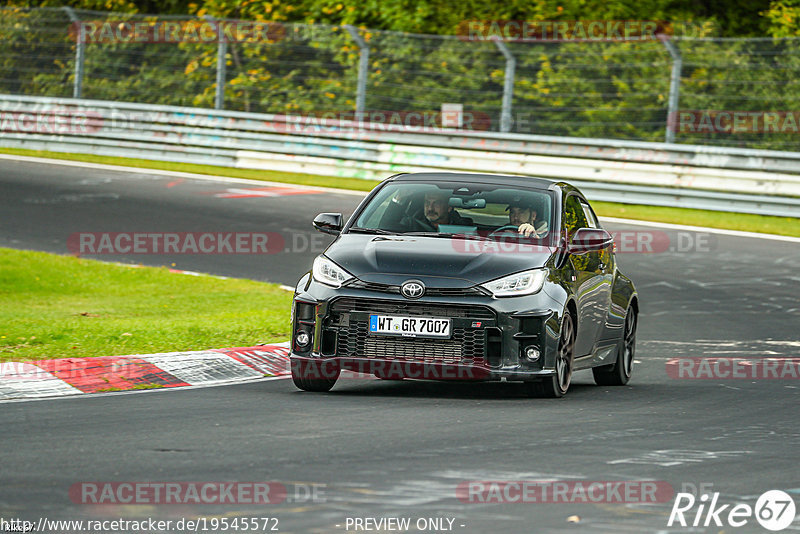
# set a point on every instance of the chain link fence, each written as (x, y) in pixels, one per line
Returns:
(735, 92)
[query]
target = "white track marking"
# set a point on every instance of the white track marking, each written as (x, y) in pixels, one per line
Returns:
(671, 226)
(26, 380)
(177, 174)
(140, 391)
(203, 367)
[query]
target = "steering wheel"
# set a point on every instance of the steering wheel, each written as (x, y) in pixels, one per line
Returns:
(510, 227)
(505, 228)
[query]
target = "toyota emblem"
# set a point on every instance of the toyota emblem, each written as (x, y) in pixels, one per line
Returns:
(413, 289)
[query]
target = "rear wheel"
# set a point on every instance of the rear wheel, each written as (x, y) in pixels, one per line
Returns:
(619, 373)
(557, 385)
(314, 376)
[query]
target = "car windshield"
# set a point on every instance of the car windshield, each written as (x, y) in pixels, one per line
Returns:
(463, 209)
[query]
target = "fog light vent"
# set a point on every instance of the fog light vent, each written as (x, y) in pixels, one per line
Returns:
(302, 339)
(532, 354)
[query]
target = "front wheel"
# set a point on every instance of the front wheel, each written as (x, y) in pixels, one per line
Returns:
(557, 385)
(620, 372)
(314, 376)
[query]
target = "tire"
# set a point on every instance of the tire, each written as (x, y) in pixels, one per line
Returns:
(311, 376)
(557, 385)
(619, 373)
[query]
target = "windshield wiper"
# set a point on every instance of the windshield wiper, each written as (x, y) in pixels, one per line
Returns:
(448, 235)
(381, 231)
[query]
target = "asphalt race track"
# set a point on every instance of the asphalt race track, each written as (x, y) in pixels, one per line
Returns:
(379, 449)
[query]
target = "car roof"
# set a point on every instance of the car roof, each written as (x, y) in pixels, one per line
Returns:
(494, 179)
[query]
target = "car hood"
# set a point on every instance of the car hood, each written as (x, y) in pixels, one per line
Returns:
(437, 261)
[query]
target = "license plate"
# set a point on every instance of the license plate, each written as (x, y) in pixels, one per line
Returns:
(409, 326)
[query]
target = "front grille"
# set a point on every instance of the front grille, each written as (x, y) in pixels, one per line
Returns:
(429, 291)
(467, 346)
(410, 307)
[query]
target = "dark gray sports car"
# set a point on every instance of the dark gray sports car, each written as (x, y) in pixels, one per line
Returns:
(466, 277)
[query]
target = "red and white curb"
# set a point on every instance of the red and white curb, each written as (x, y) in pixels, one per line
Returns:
(75, 376)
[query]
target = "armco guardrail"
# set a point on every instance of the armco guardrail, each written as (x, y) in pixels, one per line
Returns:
(716, 178)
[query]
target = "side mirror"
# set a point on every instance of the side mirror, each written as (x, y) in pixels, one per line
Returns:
(328, 223)
(589, 239)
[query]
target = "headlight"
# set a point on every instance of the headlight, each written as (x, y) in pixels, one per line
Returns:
(524, 283)
(328, 273)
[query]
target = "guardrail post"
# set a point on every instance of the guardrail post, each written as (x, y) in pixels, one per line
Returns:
(222, 51)
(77, 86)
(674, 86)
(508, 86)
(363, 68)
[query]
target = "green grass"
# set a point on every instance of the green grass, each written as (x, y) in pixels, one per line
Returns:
(714, 219)
(55, 306)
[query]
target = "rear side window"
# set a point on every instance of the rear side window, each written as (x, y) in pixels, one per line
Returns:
(590, 217)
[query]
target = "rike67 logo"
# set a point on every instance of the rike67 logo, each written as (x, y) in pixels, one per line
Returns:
(774, 510)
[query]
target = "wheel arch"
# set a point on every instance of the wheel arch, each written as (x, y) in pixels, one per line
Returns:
(572, 309)
(634, 303)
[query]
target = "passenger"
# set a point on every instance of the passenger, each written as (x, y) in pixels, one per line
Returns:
(438, 210)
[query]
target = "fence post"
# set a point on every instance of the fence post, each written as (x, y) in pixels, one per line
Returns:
(77, 86)
(363, 68)
(674, 86)
(222, 50)
(508, 86)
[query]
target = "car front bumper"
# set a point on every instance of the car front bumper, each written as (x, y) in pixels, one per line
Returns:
(488, 342)
(395, 369)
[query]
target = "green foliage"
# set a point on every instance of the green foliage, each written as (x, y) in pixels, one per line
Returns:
(736, 18)
(177, 7)
(733, 18)
(34, 60)
(784, 18)
(584, 89)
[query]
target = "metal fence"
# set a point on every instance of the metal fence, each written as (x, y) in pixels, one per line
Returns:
(613, 90)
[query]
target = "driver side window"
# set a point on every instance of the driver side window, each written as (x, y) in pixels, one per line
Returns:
(574, 217)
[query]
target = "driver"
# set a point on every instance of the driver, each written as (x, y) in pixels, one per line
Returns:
(522, 214)
(436, 210)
